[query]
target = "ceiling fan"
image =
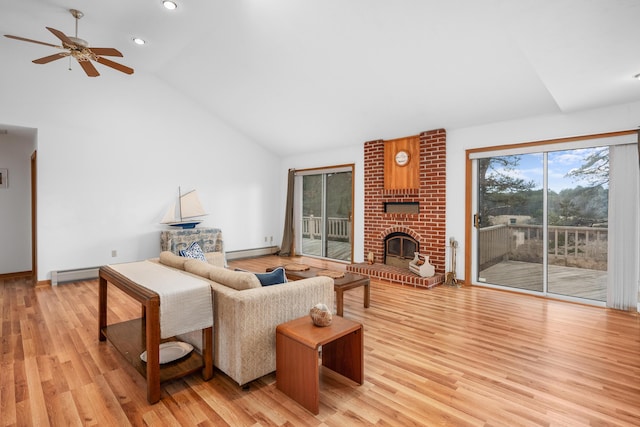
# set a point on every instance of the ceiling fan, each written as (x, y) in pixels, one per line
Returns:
(80, 50)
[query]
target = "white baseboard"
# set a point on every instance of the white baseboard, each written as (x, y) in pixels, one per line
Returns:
(250, 253)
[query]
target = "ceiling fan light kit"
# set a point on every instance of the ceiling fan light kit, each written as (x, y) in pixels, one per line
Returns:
(80, 50)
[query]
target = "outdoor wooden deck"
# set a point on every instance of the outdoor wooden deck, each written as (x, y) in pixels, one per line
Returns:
(569, 281)
(335, 250)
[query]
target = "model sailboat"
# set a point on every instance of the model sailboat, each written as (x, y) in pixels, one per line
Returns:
(185, 212)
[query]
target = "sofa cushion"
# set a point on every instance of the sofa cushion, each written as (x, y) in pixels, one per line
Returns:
(238, 280)
(275, 277)
(193, 251)
(172, 260)
(198, 267)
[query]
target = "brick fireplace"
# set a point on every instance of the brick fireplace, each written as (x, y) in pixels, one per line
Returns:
(415, 212)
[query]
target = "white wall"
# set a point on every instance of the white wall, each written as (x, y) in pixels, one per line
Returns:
(112, 152)
(15, 204)
(350, 154)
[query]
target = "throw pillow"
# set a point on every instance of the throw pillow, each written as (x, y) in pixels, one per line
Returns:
(274, 277)
(193, 251)
(216, 258)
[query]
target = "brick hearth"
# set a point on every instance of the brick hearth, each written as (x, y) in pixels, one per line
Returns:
(396, 275)
(427, 227)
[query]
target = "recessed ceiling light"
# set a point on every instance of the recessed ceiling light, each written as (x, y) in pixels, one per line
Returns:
(171, 5)
(138, 40)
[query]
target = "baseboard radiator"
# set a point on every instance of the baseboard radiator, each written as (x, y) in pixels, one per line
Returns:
(64, 276)
(250, 253)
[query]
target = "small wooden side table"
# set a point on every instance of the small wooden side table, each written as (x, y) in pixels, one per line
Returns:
(297, 345)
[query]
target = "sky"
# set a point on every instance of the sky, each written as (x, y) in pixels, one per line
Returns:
(560, 163)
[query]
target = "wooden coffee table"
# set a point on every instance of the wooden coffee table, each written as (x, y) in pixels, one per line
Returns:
(297, 345)
(348, 281)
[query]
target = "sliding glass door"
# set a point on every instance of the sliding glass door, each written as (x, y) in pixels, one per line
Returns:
(509, 221)
(327, 208)
(577, 223)
(541, 222)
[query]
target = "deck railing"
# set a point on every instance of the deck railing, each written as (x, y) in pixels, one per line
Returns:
(337, 228)
(584, 247)
(493, 242)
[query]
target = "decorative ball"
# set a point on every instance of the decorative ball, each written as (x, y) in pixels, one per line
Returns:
(321, 315)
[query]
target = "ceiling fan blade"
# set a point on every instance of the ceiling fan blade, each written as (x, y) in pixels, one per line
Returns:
(114, 65)
(66, 41)
(31, 41)
(88, 68)
(50, 58)
(105, 51)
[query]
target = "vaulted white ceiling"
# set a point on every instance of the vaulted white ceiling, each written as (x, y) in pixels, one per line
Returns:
(303, 75)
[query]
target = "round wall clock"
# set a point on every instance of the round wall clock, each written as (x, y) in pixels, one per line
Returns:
(402, 158)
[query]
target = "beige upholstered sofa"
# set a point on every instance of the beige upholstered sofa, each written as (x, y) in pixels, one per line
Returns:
(245, 314)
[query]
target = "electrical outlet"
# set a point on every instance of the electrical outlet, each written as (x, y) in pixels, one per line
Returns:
(271, 239)
(114, 253)
(265, 238)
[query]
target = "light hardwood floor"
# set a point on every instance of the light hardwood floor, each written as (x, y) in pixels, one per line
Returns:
(447, 356)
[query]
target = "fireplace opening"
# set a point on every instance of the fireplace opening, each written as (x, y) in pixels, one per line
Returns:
(399, 249)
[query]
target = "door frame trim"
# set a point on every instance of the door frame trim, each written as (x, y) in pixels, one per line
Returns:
(34, 217)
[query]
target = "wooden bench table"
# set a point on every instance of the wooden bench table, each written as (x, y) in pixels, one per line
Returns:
(133, 337)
